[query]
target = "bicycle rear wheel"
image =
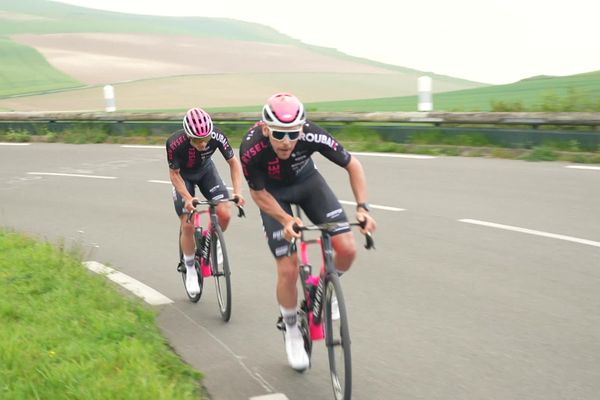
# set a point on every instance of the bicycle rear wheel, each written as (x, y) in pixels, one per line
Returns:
(337, 340)
(219, 263)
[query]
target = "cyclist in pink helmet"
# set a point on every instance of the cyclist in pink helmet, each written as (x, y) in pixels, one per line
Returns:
(189, 152)
(276, 161)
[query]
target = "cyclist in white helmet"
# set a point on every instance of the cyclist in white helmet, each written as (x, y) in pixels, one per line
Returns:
(276, 161)
(189, 152)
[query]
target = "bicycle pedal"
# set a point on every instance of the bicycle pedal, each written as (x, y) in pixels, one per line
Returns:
(181, 267)
(280, 324)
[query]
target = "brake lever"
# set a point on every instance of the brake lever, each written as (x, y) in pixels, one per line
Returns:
(370, 243)
(189, 217)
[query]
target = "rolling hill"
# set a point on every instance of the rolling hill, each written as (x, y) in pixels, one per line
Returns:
(57, 57)
(579, 92)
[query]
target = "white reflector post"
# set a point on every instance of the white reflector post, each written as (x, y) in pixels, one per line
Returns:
(109, 98)
(424, 89)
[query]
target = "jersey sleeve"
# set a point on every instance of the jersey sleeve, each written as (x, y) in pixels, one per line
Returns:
(172, 158)
(329, 147)
(255, 177)
(223, 145)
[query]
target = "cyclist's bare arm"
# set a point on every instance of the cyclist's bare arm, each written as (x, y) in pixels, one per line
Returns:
(236, 178)
(358, 182)
(268, 204)
(179, 186)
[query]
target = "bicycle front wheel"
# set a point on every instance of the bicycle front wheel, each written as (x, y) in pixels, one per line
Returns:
(219, 263)
(337, 339)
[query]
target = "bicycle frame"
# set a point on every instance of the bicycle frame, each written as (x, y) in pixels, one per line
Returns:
(308, 281)
(203, 248)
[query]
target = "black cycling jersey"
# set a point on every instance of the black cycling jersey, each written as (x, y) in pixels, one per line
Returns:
(295, 180)
(263, 168)
(181, 155)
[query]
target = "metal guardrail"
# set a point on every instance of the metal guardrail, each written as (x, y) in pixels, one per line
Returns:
(534, 119)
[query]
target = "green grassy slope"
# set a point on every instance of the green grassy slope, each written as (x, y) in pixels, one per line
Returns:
(46, 17)
(63, 18)
(582, 90)
(24, 70)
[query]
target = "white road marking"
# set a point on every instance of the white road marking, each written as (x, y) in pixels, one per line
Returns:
(72, 175)
(375, 206)
(395, 155)
(274, 396)
(352, 203)
(149, 295)
(582, 167)
(531, 232)
(139, 146)
(14, 144)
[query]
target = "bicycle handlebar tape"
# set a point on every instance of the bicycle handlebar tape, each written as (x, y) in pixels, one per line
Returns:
(296, 228)
(195, 202)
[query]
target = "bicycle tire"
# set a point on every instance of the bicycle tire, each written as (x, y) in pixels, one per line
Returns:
(337, 340)
(182, 269)
(305, 328)
(221, 273)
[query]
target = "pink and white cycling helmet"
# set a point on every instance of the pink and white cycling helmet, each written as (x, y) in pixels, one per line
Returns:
(197, 123)
(283, 110)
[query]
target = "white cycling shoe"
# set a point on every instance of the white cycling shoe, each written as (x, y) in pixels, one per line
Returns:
(294, 347)
(191, 281)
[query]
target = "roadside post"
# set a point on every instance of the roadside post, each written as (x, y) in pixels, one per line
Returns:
(424, 93)
(109, 98)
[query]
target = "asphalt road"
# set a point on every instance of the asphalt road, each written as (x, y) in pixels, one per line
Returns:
(443, 309)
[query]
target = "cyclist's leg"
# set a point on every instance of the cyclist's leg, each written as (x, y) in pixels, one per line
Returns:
(187, 229)
(287, 276)
(321, 206)
(287, 266)
(213, 188)
(187, 241)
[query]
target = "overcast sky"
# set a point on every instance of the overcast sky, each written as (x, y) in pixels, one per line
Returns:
(492, 41)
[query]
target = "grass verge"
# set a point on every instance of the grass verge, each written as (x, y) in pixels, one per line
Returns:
(68, 334)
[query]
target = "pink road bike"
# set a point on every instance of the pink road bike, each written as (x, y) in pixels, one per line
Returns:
(211, 255)
(319, 292)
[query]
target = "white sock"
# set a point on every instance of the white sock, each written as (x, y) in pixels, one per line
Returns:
(289, 317)
(188, 260)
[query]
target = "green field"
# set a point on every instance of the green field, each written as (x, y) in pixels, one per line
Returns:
(571, 93)
(62, 18)
(24, 70)
(48, 17)
(68, 334)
